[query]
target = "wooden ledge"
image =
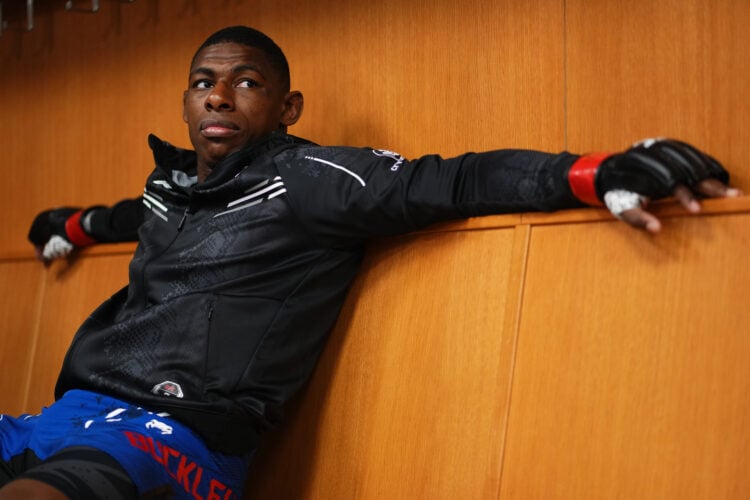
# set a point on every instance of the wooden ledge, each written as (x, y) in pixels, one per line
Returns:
(665, 209)
(94, 251)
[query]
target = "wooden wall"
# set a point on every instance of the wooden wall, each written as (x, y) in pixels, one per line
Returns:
(523, 356)
(541, 358)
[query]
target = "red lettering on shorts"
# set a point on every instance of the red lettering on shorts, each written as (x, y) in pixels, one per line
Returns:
(167, 451)
(215, 487)
(137, 440)
(152, 449)
(183, 472)
(183, 469)
(196, 482)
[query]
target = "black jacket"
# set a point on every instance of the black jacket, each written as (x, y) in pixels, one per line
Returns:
(237, 281)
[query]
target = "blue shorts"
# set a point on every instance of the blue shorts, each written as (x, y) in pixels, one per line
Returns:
(155, 450)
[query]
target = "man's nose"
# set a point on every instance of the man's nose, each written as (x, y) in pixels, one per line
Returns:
(220, 98)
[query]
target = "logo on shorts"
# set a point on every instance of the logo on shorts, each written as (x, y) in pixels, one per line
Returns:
(155, 424)
(168, 388)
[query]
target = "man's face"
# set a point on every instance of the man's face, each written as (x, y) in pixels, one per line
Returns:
(234, 98)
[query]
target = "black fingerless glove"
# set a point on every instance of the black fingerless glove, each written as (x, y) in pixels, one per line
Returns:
(651, 168)
(52, 226)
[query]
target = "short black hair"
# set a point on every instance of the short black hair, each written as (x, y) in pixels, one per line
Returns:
(245, 35)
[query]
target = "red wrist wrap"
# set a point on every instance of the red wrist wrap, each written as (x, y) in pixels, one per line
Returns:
(581, 177)
(75, 232)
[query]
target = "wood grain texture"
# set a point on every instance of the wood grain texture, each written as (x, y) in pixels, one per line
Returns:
(21, 289)
(631, 377)
(676, 68)
(72, 292)
(409, 399)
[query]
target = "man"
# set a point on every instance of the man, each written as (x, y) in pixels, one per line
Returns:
(247, 246)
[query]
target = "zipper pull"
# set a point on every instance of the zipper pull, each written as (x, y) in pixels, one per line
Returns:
(182, 221)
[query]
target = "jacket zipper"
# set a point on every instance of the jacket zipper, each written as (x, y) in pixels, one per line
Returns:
(180, 225)
(184, 217)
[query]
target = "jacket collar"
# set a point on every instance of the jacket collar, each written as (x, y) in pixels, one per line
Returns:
(180, 165)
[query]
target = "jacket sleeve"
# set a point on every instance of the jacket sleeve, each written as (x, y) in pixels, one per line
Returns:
(117, 223)
(353, 192)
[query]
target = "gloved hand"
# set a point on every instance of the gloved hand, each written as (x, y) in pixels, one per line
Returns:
(55, 233)
(651, 169)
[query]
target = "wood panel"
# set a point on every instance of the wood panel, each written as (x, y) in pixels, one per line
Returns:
(72, 291)
(439, 77)
(409, 399)
(21, 289)
(631, 376)
(674, 68)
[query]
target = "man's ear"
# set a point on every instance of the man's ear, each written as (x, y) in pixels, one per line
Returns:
(184, 107)
(293, 104)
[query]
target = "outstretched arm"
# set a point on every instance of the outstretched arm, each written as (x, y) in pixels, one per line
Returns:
(360, 192)
(57, 232)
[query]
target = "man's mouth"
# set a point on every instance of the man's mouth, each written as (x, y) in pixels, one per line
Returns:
(218, 128)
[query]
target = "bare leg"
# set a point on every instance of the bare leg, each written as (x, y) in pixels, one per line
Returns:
(24, 489)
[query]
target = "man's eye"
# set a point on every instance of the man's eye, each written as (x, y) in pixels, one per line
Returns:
(202, 84)
(248, 83)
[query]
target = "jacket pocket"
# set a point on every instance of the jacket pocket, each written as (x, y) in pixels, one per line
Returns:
(237, 326)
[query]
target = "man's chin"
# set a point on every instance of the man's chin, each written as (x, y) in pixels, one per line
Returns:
(216, 151)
